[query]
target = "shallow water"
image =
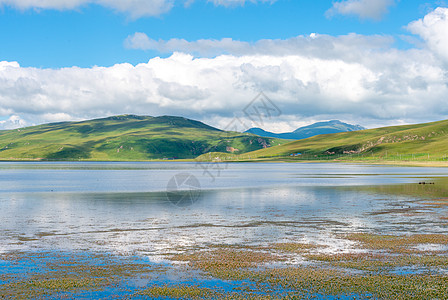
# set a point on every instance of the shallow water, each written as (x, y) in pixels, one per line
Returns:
(123, 207)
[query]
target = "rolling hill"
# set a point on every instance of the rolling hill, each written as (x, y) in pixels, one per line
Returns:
(428, 141)
(122, 138)
(333, 126)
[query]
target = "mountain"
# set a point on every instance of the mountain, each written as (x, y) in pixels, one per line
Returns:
(413, 142)
(125, 137)
(333, 126)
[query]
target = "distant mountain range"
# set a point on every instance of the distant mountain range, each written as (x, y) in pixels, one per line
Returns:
(301, 133)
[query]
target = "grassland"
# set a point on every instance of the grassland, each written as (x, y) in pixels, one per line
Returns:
(124, 138)
(418, 144)
(141, 138)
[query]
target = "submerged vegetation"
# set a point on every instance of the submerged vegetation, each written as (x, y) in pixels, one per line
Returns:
(56, 275)
(377, 267)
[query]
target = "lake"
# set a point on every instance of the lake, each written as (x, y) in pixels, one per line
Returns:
(147, 210)
(123, 207)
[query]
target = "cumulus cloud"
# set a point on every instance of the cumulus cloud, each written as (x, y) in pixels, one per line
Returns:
(382, 86)
(355, 78)
(12, 122)
(364, 9)
(176, 91)
(433, 29)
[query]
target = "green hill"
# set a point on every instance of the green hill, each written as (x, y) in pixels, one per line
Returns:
(408, 142)
(126, 137)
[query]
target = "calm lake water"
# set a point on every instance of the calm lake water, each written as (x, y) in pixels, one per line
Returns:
(123, 208)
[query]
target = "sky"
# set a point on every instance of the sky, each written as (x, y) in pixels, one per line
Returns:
(368, 62)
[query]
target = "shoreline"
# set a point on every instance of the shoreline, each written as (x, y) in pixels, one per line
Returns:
(441, 164)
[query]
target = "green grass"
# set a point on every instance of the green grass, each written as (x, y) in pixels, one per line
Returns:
(139, 138)
(124, 138)
(420, 142)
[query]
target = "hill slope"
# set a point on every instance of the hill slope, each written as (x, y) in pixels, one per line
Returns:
(407, 142)
(126, 137)
(333, 126)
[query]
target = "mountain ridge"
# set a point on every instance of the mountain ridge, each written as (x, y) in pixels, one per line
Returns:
(123, 138)
(328, 127)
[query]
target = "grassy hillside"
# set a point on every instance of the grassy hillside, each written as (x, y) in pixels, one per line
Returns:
(427, 141)
(126, 137)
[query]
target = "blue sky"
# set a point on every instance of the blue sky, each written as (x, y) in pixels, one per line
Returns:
(93, 35)
(381, 67)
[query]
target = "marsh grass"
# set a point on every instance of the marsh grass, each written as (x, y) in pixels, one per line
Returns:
(396, 244)
(56, 274)
(386, 270)
(219, 262)
(197, 292)
(179, 291)
(437, 202)
(296, 247)
(388, 267)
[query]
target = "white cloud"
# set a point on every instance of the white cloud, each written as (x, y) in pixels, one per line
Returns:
(355, 78)
(44, 4)
(176, 91)
(139, 40)
(139, 8)
(134, 8)
(364, 9)
(237, 2)
(383, 86)
(433, 29)
(203, 47)
(12, 122)
(324, 46)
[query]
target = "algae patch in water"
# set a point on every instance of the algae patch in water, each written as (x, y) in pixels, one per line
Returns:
(378, 266)
(42, 275)
(391, 268)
